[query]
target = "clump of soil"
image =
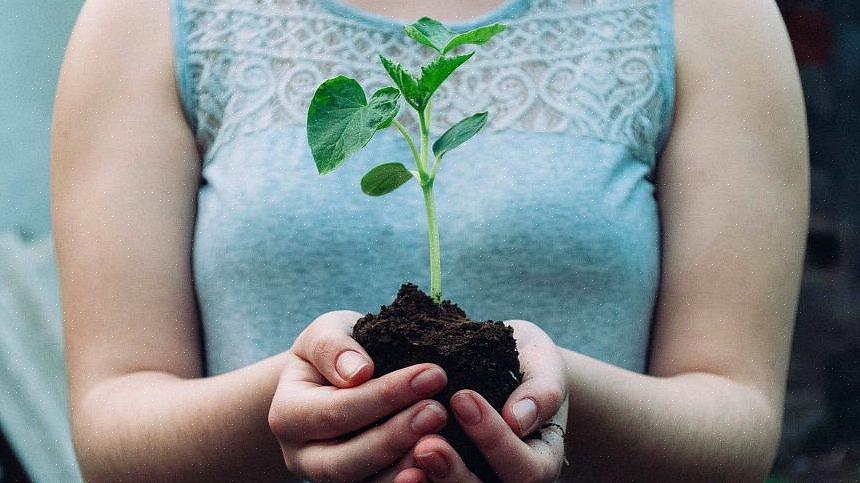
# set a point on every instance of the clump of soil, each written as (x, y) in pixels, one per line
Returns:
(481, 356)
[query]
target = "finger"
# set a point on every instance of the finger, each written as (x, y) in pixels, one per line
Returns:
(326, 412)
(509, 456)
(393, 472)
(440, 461)
(328, 345)
(298, 372)
(297, 377)
(543, 388)
(377, 448)
(550, 444)
(411, 475)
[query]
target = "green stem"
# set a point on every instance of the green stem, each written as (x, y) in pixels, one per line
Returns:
(407, 137)
(430, 206)
(435, 167)
(425, 139)
(433, 237)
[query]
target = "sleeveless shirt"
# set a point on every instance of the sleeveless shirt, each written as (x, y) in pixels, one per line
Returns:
(548, 215)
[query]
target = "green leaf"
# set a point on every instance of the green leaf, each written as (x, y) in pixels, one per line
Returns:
(459, 133)
(419, 91)
(407, 84)
(437, 36)
(479, 36)
(430, 32)
(433, 75)
(341, 121)
(385, 178)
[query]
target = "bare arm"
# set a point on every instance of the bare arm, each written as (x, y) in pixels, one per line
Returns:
(125, 177)
(733, 190)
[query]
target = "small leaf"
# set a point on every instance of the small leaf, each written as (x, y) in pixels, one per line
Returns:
(459, 133)
(341, 121)
(384, 179)
(419, 91)
(437, 36)
(430, 32)
(433, 75)
(407, 84)
(478, 36)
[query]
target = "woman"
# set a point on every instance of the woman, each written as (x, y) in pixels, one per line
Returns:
(196, 242)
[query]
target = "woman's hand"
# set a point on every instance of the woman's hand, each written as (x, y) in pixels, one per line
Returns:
(325, 402)
(539, 403)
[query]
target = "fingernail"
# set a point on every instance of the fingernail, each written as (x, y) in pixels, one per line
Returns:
(466, 409)
(525, 412)
(428, 381)
(349, 364)
(429, 419)
(434, 463)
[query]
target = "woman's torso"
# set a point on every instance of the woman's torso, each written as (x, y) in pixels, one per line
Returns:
(547, 215)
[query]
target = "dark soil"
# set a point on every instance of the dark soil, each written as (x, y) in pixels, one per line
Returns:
(481, 356)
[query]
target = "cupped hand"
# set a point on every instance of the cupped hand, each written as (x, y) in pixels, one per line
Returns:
(539, 404)
(325, 406)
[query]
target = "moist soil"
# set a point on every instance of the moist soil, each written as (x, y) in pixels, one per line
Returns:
(481, 356)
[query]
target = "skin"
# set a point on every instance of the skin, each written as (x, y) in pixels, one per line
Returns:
(732, 187)
(443, 10)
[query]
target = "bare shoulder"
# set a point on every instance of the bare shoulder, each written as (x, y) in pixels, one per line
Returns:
(740, 44)
(118, 79)
(742, 26)
(737, 75)
(125, 26)
(120, 47)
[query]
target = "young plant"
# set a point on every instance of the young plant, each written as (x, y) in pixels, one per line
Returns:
(341, 121)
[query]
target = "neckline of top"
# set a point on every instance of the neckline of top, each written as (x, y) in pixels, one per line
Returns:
(509, 9)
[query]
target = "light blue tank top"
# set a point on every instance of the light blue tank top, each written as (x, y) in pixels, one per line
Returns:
(548, 215)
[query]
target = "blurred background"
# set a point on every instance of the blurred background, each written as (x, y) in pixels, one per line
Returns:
(821, 439)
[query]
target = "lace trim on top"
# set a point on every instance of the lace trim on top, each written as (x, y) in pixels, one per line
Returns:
(600, 69)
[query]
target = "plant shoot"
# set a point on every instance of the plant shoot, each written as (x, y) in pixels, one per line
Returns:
(341, 121)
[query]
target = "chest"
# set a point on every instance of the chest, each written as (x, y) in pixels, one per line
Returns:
(516, 201)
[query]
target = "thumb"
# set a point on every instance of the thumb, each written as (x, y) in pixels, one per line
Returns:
(327, 344)
(543, 389)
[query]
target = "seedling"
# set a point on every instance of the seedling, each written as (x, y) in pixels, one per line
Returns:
(341, 121)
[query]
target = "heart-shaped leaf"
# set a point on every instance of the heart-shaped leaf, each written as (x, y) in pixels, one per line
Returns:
(459, 133)
(341, 121)
(435, 35)
(419, 91)
(385, 178)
